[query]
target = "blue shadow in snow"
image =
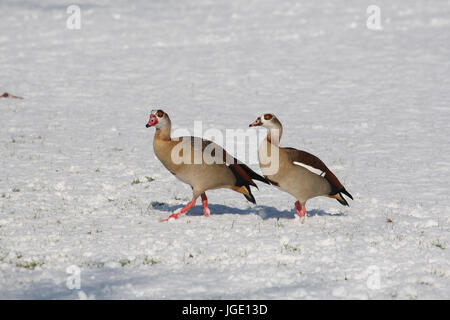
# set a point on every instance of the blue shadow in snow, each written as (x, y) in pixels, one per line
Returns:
(265, 212)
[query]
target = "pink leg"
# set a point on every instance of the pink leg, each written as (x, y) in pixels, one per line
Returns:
(189, 206)
(205, 204)
(301, 211)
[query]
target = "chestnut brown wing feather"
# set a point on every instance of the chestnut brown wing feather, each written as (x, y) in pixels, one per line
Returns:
(312, 161)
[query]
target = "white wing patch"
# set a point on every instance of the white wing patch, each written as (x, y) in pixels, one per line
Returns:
(312, 169)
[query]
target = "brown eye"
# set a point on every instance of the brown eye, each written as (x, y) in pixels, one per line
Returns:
(267, 116)
(160, 113)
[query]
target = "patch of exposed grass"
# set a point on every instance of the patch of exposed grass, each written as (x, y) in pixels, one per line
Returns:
(438, 273)
(95, 264)
(135, 181)
(438, 244)
(124, 262)
(278, 223)
(291, 248)
(29, 265)
(150, 261)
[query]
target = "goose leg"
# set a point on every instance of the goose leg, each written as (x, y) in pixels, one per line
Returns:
(301, 211)
(205, 205)
(176, 215)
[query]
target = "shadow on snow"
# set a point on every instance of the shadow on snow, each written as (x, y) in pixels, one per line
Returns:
(265, 212)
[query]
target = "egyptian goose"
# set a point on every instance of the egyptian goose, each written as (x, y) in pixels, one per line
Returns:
(200, 163)
(296, 172)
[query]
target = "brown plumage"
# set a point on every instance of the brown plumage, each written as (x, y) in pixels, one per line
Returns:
(314, 162)
(200, 163)
(296, 172)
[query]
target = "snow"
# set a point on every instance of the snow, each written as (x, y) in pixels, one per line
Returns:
(80, 185)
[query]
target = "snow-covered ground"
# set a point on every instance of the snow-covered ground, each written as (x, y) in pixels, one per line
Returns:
(80, 186)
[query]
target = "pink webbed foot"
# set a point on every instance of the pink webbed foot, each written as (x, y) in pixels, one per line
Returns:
(176, 215)
(301, 211)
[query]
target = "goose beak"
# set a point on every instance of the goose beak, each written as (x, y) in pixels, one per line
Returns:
(255, 123)
(153, 120)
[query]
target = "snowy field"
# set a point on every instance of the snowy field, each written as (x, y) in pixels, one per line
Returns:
(80, 186)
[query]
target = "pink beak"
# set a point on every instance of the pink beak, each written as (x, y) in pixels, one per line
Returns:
(153, 120)
(256, 123)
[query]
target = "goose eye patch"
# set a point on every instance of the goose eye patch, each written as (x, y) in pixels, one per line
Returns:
(160, 113)
(267, 116)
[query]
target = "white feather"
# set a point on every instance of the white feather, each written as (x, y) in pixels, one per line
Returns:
(312, 169)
